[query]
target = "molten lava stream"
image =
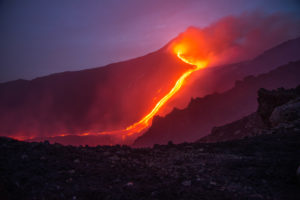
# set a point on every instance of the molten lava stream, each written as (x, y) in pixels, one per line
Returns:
(145, 121)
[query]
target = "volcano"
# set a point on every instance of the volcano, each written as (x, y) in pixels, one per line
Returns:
(74, 107)
(203, 114)
(89, 100)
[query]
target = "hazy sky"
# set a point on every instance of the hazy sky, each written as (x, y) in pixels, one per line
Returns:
(40, 37)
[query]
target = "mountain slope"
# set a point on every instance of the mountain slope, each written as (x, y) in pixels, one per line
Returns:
(202, 114)
(117, 95)
(261, 167)
(220, 79)
(278, 111)
(99, 99)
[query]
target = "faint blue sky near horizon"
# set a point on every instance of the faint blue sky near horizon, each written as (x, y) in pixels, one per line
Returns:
(40, 37)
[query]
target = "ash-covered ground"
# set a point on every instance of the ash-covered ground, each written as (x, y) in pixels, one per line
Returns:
(262, 167)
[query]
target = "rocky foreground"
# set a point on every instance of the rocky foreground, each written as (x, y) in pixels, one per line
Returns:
(266, 166)
(263, 167)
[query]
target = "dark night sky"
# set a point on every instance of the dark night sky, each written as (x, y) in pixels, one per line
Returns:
(40, 37)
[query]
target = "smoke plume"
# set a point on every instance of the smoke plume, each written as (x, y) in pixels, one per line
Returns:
(236, 38)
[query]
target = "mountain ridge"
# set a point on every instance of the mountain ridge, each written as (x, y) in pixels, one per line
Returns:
(261, 167)
(86, 101)
(202, 114)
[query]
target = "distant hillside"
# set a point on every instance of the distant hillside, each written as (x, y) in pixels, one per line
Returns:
(278, 111)
(99, 99)
(202, 114)
(220, 79)
(117, 95)
(262, 167)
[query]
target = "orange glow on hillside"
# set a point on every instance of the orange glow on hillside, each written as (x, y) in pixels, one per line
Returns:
(181, 51)
(145, 121)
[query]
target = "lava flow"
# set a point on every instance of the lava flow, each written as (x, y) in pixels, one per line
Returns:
(145, 121)
(180, 50)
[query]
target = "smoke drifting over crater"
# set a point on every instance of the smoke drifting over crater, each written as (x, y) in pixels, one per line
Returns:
(236, 38)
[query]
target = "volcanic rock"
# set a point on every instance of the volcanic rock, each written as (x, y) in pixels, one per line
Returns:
(261, 167)
(218, 109)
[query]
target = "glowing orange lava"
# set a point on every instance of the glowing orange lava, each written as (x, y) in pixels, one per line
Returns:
(180, 50)
(145, 121)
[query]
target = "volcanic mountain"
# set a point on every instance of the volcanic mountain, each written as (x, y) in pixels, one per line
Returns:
(216, 109)
(115, 96)
(222, 78)
(99, 99)
(262, 167)
(278, 111)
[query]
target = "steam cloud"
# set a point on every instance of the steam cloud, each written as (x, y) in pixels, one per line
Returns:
(237, 38)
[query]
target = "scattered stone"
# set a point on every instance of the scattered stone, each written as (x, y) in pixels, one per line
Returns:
(107, 153)
(286, 113)
(120, 153)
(228, 170)
(24, 156)
(298, 174)
(69, 180)
(17, 183)
(237, 132)
(212, 183)
(129, 184)
(256, 197)
(117, 180)
(154, 193)
(187, 183)
(170, 143)
(114, 158)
